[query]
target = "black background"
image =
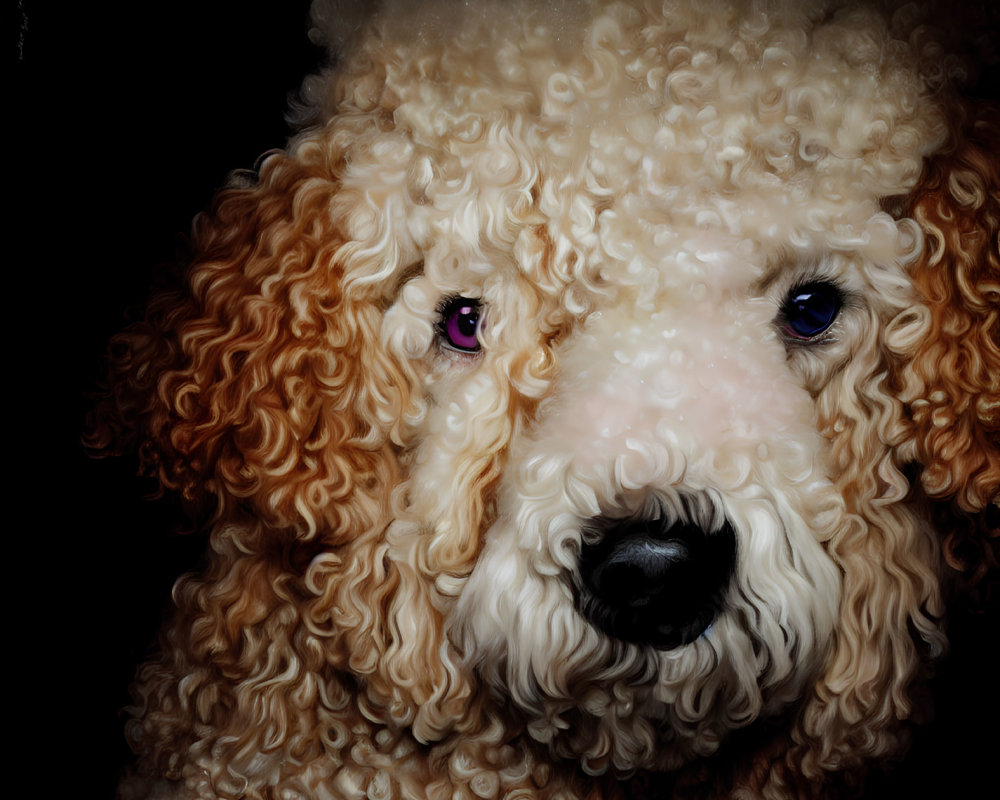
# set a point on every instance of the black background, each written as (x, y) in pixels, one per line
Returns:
(126, 119)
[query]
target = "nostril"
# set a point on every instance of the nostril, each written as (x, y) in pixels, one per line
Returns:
(654, 582)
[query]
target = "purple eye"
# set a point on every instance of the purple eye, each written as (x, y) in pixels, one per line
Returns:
(810, 309)
(458, 325)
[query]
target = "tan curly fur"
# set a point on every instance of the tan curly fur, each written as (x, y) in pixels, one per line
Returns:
(390, 606)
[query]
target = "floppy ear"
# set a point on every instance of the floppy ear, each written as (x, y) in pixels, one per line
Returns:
(262, 390)
(951, 384)
(941, 359)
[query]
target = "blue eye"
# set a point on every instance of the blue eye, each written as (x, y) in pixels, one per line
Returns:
(459, 324)
(810, 309)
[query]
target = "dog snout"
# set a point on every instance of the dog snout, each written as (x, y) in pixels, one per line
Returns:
(654, 582)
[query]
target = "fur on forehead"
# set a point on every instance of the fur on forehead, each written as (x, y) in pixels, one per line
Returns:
(811, 118)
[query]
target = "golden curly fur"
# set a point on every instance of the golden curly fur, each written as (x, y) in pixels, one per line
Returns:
(629, 194)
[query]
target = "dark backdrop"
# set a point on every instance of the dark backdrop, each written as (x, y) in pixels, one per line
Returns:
(127, 117)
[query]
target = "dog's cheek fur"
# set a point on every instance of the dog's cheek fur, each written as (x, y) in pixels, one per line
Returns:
(855, 711)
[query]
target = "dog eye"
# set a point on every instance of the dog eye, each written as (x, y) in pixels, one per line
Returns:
(459, 323)
(810, 309)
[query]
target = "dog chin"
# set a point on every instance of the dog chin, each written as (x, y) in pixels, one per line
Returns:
(558, 620)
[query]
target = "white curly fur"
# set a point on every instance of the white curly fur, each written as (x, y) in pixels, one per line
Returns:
(630, 190)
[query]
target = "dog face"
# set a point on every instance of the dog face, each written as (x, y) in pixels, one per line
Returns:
(706, 276)
(568, 373)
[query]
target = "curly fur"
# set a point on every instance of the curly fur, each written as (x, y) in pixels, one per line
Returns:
(629, 190)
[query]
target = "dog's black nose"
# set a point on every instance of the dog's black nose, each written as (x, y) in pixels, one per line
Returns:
(654, 582)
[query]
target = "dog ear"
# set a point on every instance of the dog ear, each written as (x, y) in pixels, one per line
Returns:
(950, 384)
(261, 388)
(942, 361)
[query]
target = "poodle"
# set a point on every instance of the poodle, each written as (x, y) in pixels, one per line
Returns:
(594, 399)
